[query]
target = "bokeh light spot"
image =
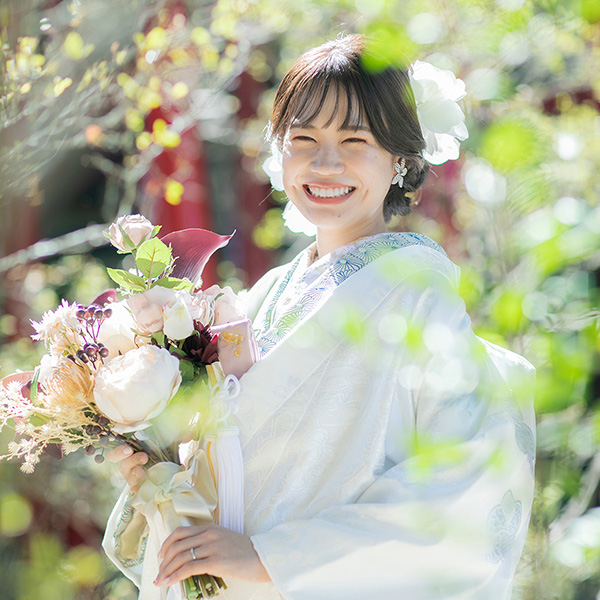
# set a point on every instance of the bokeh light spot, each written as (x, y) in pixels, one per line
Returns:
(15, 514)
(484, 184)
(425, 28)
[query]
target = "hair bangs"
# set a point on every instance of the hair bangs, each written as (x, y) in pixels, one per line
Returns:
(309, 96)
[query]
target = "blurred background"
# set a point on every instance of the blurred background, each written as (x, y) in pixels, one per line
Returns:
(160, 106)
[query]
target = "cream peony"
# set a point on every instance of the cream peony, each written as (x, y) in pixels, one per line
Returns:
(137, 227)
(137, 386)
(117, 332)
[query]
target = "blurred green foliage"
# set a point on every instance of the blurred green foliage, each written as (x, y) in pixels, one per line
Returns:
(522, 214)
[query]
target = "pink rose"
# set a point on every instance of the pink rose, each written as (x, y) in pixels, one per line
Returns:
(227, 304)
(170, 311)
(137, 228)
(147, 308)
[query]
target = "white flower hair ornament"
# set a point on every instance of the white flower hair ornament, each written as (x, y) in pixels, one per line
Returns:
(442, 121)
(293, 219)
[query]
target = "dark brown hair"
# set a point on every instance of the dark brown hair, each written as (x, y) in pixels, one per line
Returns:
(383, 99)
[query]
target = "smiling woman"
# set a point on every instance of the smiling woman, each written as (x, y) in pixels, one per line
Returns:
(327, 88)
(388, 451)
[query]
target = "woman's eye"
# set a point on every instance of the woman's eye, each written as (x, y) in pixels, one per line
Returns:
(302, 138)
(356, 140)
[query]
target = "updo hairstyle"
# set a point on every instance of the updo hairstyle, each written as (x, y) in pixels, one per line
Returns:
(383, 100)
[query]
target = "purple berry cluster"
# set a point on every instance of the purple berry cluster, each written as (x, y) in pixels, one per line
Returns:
(92, 317)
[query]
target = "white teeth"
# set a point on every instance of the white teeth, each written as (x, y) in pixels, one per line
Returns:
(329, 192)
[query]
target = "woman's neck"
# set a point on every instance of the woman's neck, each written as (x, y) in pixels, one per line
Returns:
(329, 240)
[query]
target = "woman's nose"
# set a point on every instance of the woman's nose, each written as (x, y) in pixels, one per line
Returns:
(327, 160)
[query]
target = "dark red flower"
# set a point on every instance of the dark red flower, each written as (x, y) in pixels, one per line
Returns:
(201, 346)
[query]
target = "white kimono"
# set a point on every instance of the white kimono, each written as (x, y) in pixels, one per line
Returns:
(388, 451)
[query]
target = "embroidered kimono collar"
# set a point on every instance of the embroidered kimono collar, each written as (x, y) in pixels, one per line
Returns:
(305, 285)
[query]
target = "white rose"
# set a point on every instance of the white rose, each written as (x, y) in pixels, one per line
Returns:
(273, 167)
(137, 228)
(178, 323)
(147, 308)
(201, 307)
(442, 121)
(137, 386)
(117, 332)
(228, 306)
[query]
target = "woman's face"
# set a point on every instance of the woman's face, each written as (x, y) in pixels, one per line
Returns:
(338, 178)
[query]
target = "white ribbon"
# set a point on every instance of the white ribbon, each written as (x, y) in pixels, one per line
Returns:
(225, 454)
(223, 394)
(171, 496)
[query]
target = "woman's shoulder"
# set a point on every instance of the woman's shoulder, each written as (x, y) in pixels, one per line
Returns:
(415, 252)
(404, 239)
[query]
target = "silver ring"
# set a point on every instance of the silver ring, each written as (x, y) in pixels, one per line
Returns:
(193, 554)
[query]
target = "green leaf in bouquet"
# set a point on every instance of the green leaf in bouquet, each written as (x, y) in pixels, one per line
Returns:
(187, 370)
(127, 280)
(38, 420)
(153, 257)
(177, 352)
(174, 283)
(159, 338)
(155, 231)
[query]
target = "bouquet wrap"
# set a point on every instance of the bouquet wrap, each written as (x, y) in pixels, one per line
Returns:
(170, 497)
(237, 346)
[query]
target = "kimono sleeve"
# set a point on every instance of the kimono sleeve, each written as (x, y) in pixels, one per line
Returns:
(447, 516)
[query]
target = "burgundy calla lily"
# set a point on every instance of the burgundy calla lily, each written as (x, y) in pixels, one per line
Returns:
(191, 249)
(106, 297)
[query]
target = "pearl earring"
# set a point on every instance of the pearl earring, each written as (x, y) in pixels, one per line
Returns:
(401, 172)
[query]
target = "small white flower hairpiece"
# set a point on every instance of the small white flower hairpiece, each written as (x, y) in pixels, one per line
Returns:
(442, 121)
(401, 172)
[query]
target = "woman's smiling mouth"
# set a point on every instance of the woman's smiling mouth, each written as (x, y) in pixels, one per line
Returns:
(328, 194)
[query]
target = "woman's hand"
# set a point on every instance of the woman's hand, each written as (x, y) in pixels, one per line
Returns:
(131, 464)
(217, 551)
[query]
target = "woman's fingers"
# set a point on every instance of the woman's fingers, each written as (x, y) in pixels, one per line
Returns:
(181, 539)
(119, 453)
(197, 567)
(218, 551)
(175, 553)
(130, 464)
(176, 561)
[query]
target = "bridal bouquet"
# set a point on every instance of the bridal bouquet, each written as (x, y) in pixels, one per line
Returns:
(112, 367)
